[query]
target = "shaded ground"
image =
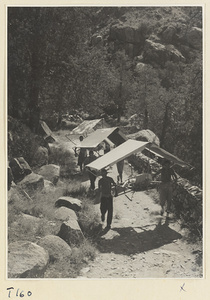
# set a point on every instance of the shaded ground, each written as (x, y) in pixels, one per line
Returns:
(141, 244)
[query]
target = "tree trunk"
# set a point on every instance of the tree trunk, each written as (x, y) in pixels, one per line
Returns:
(165, 125)
(36, 71)
(146, 119)
(120, 104)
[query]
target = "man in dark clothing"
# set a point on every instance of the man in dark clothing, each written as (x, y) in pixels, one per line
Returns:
(82, 154)
(105, 188)
(165, 190)
(91, 173)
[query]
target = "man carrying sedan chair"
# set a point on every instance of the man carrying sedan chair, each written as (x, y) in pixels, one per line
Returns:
(165, 189)
(105, 185)
(91, 173)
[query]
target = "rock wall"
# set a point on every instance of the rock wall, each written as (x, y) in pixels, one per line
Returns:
(187, 199)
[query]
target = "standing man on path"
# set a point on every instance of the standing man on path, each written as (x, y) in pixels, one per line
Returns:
(82, 154)
(105, 187)
(167, 174)
(91, 173)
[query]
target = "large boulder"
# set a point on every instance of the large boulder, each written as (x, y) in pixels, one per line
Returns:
(194, 38)
(157, 53)
(26, 260)
(69, 202)
(132, 38)
(19, 168)
(40, 157)
(14, 195)
(25, 223)
(71, 233)
(50, 172)
(31, 221)
(64, 213)
(145, 135)
(31, 183)
(48, 186)
(169, 34)
(57, 248)
(126, 34)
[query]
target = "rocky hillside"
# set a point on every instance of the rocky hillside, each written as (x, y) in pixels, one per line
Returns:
(152, 35)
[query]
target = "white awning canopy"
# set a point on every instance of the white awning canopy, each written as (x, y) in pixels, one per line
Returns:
(98, 136)
(131, 147)
(119, 153)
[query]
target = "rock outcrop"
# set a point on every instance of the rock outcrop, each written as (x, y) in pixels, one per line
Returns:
(64, 213)
(71, 233)
(194, 38)
(50, 172)
(145, 135)
(26, 260)
(48, 186)
(159, 54)
(32, 182)
(19, 168)
(131, 38)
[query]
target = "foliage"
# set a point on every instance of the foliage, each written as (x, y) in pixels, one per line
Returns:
(21, 141)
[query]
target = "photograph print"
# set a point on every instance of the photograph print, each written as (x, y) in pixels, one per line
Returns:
(104, 142)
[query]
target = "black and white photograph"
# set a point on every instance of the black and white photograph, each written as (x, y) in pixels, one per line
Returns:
(105, 142)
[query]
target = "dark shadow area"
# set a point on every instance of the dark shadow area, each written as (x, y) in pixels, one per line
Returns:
(130, 242)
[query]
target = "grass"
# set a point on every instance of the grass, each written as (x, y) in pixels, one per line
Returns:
(71, 268)
(42, 207)
(75, 189)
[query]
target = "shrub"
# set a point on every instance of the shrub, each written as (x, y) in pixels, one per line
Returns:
(84, 253)
(60, 156)
(75, 189)
(88, 220)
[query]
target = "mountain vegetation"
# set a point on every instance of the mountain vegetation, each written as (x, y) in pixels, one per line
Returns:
(111, 61)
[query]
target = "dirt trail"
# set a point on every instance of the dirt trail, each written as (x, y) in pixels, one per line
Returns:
(142, 244)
